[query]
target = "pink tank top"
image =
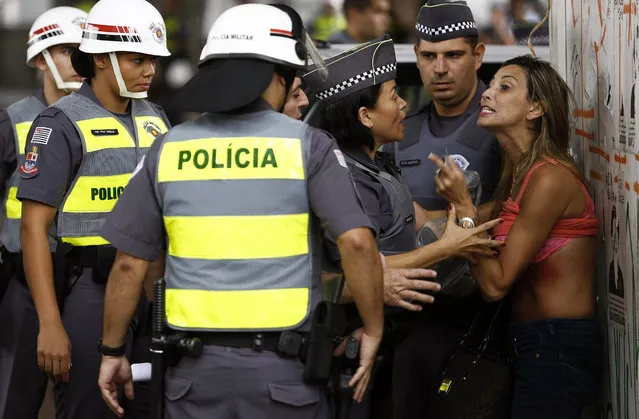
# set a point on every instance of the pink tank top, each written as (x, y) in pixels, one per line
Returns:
(564, 229)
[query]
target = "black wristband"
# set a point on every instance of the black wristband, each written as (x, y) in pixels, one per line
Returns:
(109, 351)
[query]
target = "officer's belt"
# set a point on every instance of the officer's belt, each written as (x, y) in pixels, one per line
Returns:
(91, 256)
(286, 343)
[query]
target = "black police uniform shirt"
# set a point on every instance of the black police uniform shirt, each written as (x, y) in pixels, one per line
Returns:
(135, 226)
(371, 193)
(441, 126)
(8, 156)
(59, 159)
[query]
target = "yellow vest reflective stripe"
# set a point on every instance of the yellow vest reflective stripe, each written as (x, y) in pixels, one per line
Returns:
(238, 224)
(13, 205)
(21, 114)
(110, 155)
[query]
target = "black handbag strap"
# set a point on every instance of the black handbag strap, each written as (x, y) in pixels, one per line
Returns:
(484, 342)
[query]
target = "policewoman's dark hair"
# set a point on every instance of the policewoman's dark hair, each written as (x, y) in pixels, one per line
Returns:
(299, 34)
(82, 63)
(342, 121)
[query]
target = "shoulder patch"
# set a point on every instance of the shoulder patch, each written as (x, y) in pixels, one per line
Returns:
(460, 161)
(29, 168)
(41, 135)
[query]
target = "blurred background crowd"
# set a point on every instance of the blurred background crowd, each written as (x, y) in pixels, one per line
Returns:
(501, 22)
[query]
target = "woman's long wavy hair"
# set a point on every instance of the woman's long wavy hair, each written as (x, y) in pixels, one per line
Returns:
(552, 130)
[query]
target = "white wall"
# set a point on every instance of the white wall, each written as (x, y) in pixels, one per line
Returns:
(594, 45)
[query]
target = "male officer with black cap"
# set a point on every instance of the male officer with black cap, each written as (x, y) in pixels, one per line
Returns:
(448, 57)
(239, 198)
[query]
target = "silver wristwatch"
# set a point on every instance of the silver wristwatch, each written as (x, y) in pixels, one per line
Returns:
(466, 222)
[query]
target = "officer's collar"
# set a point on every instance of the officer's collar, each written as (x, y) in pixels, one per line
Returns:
(358, 154)
(87, 91)
(40, 96)
(474, 103)
(259, 105)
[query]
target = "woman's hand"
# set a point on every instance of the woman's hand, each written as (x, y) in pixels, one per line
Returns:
(469, 242)
(450, 182)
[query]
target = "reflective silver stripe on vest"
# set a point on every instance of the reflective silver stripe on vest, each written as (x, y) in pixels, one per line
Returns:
(99, 163)
(21, 114)
(252, 197)
(401, 236)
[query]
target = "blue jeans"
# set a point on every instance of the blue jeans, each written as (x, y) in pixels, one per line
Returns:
(558, 364)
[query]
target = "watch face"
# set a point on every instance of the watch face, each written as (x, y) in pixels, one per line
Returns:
(466, 223)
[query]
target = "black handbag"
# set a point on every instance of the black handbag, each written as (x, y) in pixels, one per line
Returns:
(478, 380)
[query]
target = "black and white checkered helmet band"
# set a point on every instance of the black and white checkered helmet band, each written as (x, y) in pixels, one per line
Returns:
(333, 90)
(441, 30)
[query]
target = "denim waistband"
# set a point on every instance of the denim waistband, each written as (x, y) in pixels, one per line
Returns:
(557, 333)
(555, 326)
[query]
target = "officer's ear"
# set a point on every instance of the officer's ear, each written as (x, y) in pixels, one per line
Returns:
(101, 61)
(40, 63)
(365, 117)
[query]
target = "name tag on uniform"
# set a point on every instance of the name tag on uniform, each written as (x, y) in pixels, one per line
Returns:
(409, 219)
(104, 132)
(408, 163)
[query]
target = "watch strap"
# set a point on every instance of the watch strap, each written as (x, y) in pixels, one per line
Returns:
(110, 351)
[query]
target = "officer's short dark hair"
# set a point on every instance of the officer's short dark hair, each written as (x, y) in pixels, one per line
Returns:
(359, 5)
(471, 40)
(341, 118)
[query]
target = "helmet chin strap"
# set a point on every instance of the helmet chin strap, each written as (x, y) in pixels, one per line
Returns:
(66, 86)
(118, 77)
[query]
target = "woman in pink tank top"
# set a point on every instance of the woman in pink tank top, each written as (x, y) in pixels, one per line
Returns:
(547, 265)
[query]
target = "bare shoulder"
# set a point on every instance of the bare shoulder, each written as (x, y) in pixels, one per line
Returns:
(554, 187)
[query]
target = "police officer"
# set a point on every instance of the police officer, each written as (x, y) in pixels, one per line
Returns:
(448, 56)
(363, 116)
(81, 153)
(296, 101)
(241, 196)
(52, 38)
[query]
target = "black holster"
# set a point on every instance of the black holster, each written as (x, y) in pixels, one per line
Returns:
(7, 269)
(63, 273)
(328, 325)
(103, 261)
(166, 349)
(345, 369)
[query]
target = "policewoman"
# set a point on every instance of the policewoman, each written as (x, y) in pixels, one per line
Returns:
(237, 201)
(52, 38)
(81, 153)
(362, 109)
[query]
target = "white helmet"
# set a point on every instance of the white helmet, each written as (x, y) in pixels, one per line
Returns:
(243, 47)
(124, 26)
(271, 33)
(57, 26)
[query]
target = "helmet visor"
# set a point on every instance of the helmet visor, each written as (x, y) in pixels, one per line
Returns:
(314, 60)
